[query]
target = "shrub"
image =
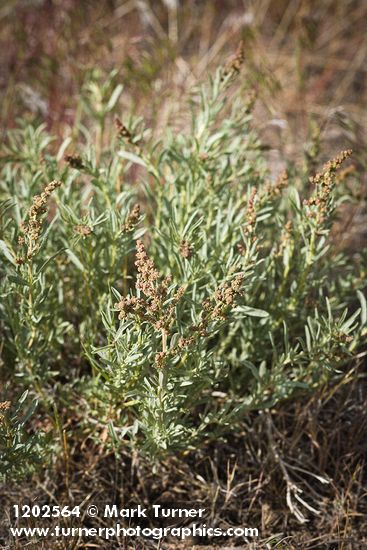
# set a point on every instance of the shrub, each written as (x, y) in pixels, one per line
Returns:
(208, 291)
(19, 452)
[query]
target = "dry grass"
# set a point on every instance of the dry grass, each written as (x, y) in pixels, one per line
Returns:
(305, 57)
(241, 480)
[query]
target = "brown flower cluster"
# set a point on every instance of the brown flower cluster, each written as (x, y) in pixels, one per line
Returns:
(344, 338)
(148, 275)
(234, 65)
(4, 406)
(185, 342)
(74, 161)
(132, 219)
(225, 296)
(186, 250)
(275, 189)
(151, 307)
(84, 230)
(122, 131)
(325, 182)
(256, 201)
(251, 212)
(285, 237)
(214, 309)
(131, 304)
(160, 359)
(33, 227)
(331, 167)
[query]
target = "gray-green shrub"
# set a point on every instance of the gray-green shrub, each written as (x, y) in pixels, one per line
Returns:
(221, 293)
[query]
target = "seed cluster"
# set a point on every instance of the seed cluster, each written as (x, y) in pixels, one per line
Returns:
(234, 65)
(122, 131)
(4, 406)
(148, 275)
(215, 309)
(132, 219)
(331, 167)
(152, 306)
(285, 237)
(325, 182)
(84, 230)
(186, 250)
(273, 190)
(32, 229)
(256, 200)
(225, 296)
(74, 161)
(251, 212)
